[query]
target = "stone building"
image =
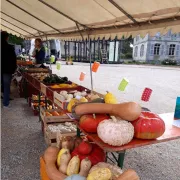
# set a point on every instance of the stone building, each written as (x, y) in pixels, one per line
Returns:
(157, 47)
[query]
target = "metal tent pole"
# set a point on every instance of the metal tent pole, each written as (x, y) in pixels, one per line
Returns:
(89, 49)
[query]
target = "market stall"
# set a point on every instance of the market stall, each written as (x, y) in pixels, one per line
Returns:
(118, 127)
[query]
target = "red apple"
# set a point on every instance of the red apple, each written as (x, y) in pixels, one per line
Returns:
(148, 126)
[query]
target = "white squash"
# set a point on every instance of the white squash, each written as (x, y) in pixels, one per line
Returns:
(115, 133)
(115, 170)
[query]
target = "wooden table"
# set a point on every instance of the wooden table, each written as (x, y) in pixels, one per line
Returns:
(171, 133)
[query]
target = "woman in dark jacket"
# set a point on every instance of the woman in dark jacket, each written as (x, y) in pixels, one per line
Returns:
(39, 52)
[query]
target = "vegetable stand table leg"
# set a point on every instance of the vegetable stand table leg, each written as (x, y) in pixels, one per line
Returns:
(78, 132)
(116, 157)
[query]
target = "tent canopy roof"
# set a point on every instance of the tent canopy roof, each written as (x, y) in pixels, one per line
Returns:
(67, 19)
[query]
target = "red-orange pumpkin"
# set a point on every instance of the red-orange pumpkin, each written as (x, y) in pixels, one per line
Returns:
(148, 126)
(89, 122)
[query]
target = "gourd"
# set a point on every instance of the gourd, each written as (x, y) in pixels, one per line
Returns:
(85, 147)
(85, 167)
(115, 170)
(73, 166)
(65, 158)
(110, 98)
(75, 177)
(115, 133)
(129, 111)
(67, 143)
(62, 151)
(100, 174)
(129, 174)
(50, 157)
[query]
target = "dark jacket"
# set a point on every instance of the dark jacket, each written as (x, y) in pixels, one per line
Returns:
(40, 56)
(8, 58)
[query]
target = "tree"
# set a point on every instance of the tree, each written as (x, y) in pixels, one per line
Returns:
(15, 40)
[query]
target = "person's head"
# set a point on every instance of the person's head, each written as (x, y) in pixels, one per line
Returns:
(38, 43)
(4, 36)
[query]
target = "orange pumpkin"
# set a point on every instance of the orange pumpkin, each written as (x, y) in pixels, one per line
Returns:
(148, 126)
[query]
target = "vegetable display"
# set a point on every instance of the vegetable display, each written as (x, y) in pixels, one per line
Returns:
(148, 126)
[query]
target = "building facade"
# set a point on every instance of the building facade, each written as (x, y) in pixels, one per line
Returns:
(157, 47)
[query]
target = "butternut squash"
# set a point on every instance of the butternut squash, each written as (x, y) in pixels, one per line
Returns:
(73, 166)
(61, 152)
(85, 167)
(129, 111)
(100, 174)
(65, 158)
(50, 157)
(129, 174)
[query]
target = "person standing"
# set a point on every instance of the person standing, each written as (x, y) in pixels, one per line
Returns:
(8, 66)
(39, 52)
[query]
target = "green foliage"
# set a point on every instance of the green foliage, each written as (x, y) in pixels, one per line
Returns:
(15, 40)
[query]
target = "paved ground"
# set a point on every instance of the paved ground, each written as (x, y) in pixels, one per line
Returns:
(22, 141)
(165, 82)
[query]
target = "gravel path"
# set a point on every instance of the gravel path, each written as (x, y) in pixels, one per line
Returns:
(23, 143)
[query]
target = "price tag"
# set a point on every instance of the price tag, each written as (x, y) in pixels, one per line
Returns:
(123, 84)
(43, 89)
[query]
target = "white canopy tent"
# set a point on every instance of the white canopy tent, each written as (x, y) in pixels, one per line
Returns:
(70, 19)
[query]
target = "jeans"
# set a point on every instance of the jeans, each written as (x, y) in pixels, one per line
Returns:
(6, 84)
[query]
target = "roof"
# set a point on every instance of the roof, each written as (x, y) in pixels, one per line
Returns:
(69, 19)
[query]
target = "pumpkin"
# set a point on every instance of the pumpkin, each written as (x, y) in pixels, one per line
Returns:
(115, 170)
(100, 174)
(73, 166)
(129, 174)
(90, 122)
(115, 133)
(75, 177)
(129, 111)
(97, 154)
(148, 126)
(85, 167)
(50, 157)
(85, 147)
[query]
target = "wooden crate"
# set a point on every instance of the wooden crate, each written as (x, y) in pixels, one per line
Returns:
(47, 119)
(43, 172)
(51, 137)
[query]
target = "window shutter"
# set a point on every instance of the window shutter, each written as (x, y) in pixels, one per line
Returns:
(167, 50)
(152, 50)
(162, 50)
(177, 50)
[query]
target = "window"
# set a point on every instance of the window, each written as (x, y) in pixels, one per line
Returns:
(142, 50)
(172, 49)
(177, 50)
(136, 51)
(157, 49)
